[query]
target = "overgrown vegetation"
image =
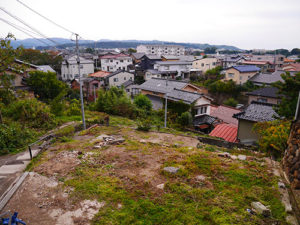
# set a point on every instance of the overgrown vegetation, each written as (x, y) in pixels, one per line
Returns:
(273, 136)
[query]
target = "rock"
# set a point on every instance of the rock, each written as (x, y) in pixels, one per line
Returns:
(242, 157)
(224, 154)
(281, 185)
(97, 146)
(291, 220)
(261, 209)
(119, 206)
(200, 178)
(176, 145)
(102, 137)
(234, 157)
(171, 169)
(160, 186)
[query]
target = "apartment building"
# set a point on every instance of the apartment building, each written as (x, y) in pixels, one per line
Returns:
(161, 49)
(115, 62)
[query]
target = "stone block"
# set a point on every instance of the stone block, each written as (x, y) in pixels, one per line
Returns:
(171, 169)
(261, 209)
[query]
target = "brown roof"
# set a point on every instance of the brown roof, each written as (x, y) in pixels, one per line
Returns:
(292, 67)
(225, 113)
(100, 74)
(256, 62)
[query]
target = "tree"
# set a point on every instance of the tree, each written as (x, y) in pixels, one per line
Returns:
(90, 50)
(295, 51)
(210, 50)
(231, 102)
(143, 102)
(131, 50)
(289, 89)
(45, 85)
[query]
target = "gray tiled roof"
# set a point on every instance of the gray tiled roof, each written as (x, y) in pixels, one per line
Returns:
(173, 63)
(204, 119)
(257, 112)
(185, 96)
(266, 78)
(162, 85)
(138, 55)
(270, 92)
(153, 56)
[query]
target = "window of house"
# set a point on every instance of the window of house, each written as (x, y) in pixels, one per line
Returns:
(117, 63)
(240, 77)
(116, 79)
(130, 78)
(124, 78)
(214, 63)
(107, 60)
(202, 110)
(123, 67)
(111, 60)
(230, 75)
(121, 60)
(262, 99)
(202, 64)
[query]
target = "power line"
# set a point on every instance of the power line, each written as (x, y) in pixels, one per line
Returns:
(32, 28)
(51, 21)
(23, 30)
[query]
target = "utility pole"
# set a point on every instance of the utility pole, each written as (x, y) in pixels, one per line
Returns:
(166, 108)
(80, 83)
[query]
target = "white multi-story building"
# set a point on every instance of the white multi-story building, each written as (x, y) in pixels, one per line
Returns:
(161, 49)
(69, 68)
(114, 62)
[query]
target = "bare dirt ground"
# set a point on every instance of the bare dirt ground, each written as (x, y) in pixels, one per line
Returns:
(42, 198)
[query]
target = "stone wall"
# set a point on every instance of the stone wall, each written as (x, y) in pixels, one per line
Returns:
(291, 160)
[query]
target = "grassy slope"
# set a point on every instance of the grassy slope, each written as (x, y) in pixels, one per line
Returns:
(223, 198)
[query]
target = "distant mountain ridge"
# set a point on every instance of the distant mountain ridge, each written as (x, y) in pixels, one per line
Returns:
(107, 43)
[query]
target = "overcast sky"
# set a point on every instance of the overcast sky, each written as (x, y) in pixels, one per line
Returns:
(247, 24)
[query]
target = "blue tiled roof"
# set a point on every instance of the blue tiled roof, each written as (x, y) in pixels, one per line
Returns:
(246, 68)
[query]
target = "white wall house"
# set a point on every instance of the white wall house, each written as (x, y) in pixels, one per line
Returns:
(69, 68)
(151, 73)
(112, 63)
(161, 49)
(202, 106)
(118, 78)
(168, 67)
(205, 64)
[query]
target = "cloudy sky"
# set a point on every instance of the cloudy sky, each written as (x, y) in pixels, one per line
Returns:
(247, 24)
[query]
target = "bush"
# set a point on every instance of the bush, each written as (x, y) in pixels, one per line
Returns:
(273, 136)
(32, 112)
(145, 124)
(185, 119)
(231, 102)
(74, 108)
(67, 131)
(13, 137)
(143, 102)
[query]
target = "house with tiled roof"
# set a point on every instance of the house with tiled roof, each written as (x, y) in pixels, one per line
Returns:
(115, 62)
(265, 66)
(241, 74)
(255, 112)
(118, 79)
(157, 89)
(291, 67)
(266, 95)
(100, 74)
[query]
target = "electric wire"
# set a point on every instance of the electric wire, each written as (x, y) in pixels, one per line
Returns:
(49, 20)
(32, 28)
(24, 31)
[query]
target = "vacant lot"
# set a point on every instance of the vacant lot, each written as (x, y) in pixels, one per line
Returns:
(88, 180)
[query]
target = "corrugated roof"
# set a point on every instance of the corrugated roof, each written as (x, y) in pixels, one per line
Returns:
(203, 119)
(256, 62)
(257, 112)
(226, 131)
(246, 68)
(225, 113)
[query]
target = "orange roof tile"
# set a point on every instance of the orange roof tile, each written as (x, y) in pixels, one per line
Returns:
(100, 74)
(226, 131)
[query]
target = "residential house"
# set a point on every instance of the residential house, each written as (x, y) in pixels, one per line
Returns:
(228, 61)
(147, 62)
(118, 78)
(224, 114)
(90, 87)
(169, 58)
(291, 67)
(152, 73)
(157, 89)
(266, 95)
(205, 64)
(99, 74)
(115, 62)
(69, 68)
(174, 68)
(161, 49)
(265, 66)
(277, 60)
(255, 112)
(268, 78)
(241, 74)
(136, 57)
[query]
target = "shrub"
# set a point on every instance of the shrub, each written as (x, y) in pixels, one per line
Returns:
(144, 124)
(67, 131)
(273, 136)
(185, 119)
(32, 112)
(231, 102)
(143, 102)
(13, 137)
(74, 108)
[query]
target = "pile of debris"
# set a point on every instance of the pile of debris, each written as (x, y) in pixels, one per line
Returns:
(104, 140)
